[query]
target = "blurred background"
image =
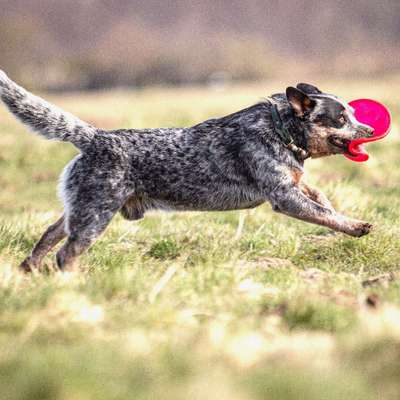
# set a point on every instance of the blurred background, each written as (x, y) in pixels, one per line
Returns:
(90, 44)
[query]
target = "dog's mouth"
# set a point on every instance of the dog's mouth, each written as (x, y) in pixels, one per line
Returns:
(340, 143)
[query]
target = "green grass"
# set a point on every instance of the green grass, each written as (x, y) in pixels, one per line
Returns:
(188, 306)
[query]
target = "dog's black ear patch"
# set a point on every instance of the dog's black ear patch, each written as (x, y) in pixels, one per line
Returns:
(307, 88)
(300, 102)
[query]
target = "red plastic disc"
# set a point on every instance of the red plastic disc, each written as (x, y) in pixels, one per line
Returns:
(375, 115)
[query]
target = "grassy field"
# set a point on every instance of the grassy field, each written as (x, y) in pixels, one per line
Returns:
(228, 306)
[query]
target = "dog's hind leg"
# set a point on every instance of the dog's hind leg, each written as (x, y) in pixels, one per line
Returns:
(85, 225)
(53, 235)
(74, 247)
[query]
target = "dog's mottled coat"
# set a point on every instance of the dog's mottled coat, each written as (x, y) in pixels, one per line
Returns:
(234, 162)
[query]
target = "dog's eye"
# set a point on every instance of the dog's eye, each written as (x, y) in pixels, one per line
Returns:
(342, 119)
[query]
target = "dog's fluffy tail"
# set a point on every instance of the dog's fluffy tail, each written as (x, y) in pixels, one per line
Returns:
(43, 117)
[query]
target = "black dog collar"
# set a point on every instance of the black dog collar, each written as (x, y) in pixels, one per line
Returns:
(283, 131)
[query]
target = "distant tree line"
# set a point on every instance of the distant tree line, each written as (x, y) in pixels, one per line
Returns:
(83, 44)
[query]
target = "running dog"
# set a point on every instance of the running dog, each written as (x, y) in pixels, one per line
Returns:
(239, 161)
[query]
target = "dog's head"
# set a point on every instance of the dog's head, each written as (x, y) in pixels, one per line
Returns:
(329, 123)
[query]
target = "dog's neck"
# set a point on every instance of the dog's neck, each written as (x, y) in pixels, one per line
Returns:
(289, 129)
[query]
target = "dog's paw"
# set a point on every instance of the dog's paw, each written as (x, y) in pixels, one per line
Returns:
(26, 266)
(359, 228)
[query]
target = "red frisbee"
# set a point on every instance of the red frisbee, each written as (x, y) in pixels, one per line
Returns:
(375, 115)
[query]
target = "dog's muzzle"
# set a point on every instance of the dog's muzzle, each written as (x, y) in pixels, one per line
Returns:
(339, 142)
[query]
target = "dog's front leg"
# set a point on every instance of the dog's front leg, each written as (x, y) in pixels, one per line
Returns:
(316, 195)
(290, 200)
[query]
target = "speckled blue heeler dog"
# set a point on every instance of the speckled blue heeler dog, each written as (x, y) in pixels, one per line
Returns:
(236, 162)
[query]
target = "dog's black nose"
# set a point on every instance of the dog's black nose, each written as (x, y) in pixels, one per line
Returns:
(370, 131)
(366, 131)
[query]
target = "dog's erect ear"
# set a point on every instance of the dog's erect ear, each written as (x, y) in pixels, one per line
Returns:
(300, 102)
(307, 88)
